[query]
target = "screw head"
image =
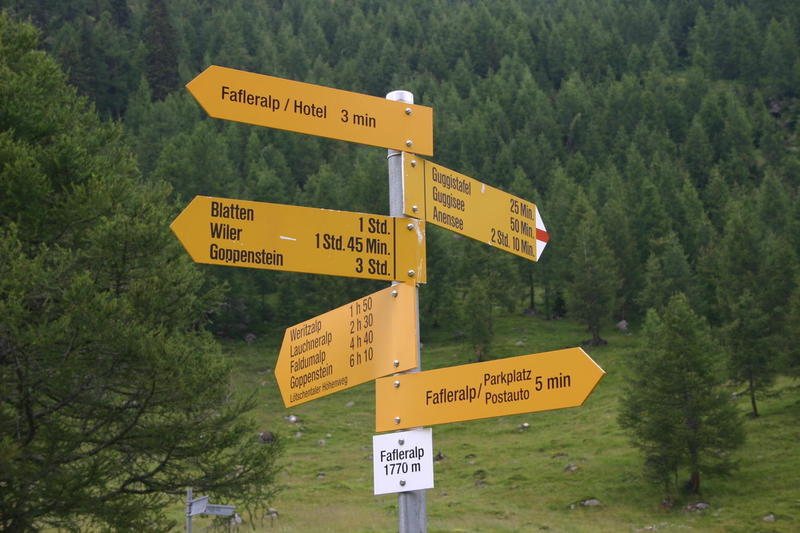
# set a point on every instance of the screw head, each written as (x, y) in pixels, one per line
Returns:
(394, 293)
(396, 363)
(408, 111)
(401, 441)
(410, 226)
(409, 143)
(415, 208)
(413, 162)
(396, 384)
(411, 273)
(402, 483)
(397, 420)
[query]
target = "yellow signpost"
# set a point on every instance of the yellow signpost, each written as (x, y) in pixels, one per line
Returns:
(221, 231)
(524, 384)
(279, 103)
(464, 205)
(376, 335)
(371, 337)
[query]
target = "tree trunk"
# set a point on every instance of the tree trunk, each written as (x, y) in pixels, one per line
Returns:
(694, 483)
(547, 310)
(532, 304)
(753, 395)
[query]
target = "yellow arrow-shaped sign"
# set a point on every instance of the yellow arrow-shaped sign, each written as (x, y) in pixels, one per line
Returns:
(273, 102)
(465, 205)
(221, 231)
(524, 384)
(357, 342)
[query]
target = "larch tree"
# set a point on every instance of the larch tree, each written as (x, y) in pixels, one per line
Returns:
(675, 405)
(752, 288)
(478, 317)
(161, 66)
(594, 273)
(113, 396)
(792, 337)
(667, 272)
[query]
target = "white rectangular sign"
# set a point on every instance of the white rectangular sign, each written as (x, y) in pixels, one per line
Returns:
(403, 461)
(198, 506)
(221, 510)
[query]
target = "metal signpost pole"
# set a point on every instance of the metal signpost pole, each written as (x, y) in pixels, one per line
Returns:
(411, 505)
(188, 509)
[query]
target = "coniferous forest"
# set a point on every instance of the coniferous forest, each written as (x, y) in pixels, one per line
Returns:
(659, 139)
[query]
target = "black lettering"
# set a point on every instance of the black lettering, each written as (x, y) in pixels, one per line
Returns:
(446, 219)
(447, 200)
(232, 211)
(234, 256)
(241, 96)
(225, 231)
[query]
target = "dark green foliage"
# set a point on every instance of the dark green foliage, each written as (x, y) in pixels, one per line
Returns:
(658, 91)
(792, 362)
(197, 162)
(595, 276)
(677, 120)
(674, 405)
(477, 316)
(161, 67)
(752, 359)
(667, 273)
(94, 43)
(617, 227)
(113, 396)
(779, 59)
(439, 301)
(753, 280)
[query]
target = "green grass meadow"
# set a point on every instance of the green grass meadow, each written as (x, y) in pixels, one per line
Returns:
(498, 476)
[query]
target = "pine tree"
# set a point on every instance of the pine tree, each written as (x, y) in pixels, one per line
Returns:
(439, 296)
(674, 405)
(750, 266)
(698, 154)
(773, 204)
(779, 56)
(667, 273)
(715, 198)
(595, 278)
(736, 142)
(616, 224)
(198, 162)
(561, 227)
(792, 336)
(650, 219)
(162, 50)
(751, 359)
(691, 222)
(114, 395)
(478, 317)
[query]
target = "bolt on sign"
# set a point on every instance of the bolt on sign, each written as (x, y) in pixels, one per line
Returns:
(466, 206)
(368, 338)
(221, 231)
(283, 104)
(515, 385)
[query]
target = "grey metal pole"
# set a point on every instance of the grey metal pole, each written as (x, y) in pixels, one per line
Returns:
(413, 516)
(188, 509)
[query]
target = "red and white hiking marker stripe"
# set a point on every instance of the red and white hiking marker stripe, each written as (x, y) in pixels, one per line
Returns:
(542, 237)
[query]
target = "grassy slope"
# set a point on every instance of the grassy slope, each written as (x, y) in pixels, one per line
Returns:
(499, 477)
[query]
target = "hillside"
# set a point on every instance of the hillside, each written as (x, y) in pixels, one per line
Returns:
(500, 476)
(658, 140)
